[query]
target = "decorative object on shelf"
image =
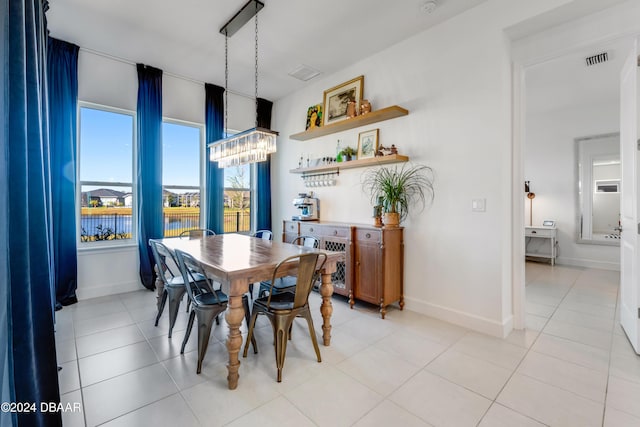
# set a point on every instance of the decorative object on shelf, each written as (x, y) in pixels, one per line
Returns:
(338, 152)
(329, 179)
(352, 109)
(386, 151)
(365, 107)
(253, 145)
(400, 189)
(314, 117)
(337, 99)
(368, 144)
(348, 153)
(376, 116)
(377, 213)
(530, 195)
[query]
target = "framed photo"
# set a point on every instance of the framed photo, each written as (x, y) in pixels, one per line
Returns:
(336, 99)
(367, 144)
(314, 117)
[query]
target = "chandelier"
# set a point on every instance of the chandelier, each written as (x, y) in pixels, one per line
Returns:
(252, 145)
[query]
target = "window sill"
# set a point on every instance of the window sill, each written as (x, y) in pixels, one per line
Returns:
(84, 248)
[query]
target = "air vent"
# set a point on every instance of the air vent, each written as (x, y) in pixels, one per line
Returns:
(304, 73)
(597, 59)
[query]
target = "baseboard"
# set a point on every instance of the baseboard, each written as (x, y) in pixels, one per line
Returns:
(111, 289)
(589, 263)
(460, 318)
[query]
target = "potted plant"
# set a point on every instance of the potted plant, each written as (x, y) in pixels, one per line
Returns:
(348, 153)
(398, 189)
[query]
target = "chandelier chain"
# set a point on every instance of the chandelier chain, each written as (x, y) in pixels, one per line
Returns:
(256, 62)
(226, 82)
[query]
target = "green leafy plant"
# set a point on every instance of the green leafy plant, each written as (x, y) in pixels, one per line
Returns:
(348, 152)
(399, 188)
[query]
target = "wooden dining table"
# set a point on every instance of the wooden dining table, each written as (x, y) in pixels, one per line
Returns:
(236, 261)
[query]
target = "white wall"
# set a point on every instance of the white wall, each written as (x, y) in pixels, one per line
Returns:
(551, 166)
(110, 82)
(455, 81)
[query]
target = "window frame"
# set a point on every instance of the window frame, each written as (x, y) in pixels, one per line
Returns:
(202, 151)
(119, 243)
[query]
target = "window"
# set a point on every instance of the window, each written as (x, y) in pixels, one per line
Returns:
(237, 199)
(181, 148)
(106, 174)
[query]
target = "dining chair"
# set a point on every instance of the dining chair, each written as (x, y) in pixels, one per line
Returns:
(282, 308)
(287, 283)
(206, 304)
(263, 234)
(196, 233)
(173, 284)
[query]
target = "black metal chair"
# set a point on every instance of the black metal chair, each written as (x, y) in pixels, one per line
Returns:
(173, 285)
(196, 233)
(206, 304)
(283, 308)
(286, 284)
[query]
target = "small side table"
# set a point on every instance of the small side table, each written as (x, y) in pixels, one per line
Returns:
(544, 249)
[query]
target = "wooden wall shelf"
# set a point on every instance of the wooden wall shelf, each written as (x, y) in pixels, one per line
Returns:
(362, 120)
(374, 161)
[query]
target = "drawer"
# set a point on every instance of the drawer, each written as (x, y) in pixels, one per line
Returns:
(539, 232)
(368, 235)
(310, 229)
(290, 227)
(335, 231)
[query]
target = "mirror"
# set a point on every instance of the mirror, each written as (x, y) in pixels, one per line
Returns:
(599, 189)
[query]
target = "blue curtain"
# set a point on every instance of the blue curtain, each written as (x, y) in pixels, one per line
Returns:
(62, 73)
(263, 192)
(149, 167)
(28, 353)
(214, 130)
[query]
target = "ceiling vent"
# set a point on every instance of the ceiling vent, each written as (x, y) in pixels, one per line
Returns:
(597, 59)
(304, 73)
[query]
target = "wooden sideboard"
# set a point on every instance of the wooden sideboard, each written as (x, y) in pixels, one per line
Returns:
(374, 259)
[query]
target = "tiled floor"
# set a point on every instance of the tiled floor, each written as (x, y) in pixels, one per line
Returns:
(572, 366)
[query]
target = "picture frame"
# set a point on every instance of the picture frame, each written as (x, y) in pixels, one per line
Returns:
(335, 99)
(314, 117)
(368, 144)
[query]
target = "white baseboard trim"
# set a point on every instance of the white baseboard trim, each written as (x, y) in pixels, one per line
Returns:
(460, 318)
(589, 263)
(84, 293)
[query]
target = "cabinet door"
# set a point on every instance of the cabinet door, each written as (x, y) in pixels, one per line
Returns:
(368, 264)
(342, 277)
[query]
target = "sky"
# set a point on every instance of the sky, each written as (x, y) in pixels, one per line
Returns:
(106, 150)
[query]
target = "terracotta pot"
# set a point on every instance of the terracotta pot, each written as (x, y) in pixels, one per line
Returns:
(391, 219)
(352, 110)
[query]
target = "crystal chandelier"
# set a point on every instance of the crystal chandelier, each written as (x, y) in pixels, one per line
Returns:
(253, 145)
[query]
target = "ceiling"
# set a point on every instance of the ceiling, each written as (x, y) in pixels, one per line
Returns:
(182, 37)
(567, 82)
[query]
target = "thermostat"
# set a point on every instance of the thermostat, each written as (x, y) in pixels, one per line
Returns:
(548, 223)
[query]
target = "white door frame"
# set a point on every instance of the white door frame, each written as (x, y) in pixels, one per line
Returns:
(518, 119)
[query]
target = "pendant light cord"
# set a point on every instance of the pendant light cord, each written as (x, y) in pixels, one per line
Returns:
(256, 75)
(226, 82)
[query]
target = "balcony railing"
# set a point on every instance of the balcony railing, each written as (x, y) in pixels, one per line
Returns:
(118, 225)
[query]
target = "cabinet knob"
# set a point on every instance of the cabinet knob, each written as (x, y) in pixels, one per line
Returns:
(534, 232)
(368, 235)
(335, 232)
(311, 230)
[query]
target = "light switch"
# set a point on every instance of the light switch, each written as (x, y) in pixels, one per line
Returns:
(478, 205)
